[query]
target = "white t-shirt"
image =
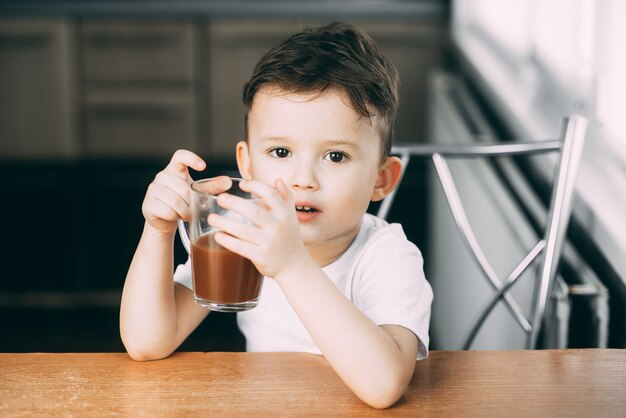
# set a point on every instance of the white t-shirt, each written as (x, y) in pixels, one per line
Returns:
(381, 273)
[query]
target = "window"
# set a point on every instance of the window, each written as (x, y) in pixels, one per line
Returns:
(506, 22)
(575, 46)
(611, 83)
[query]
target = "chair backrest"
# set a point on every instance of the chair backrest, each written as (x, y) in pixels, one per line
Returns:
(547, 249)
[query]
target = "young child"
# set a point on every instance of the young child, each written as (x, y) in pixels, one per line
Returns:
(339, 282)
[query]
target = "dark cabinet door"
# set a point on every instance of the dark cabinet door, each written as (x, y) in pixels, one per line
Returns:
(37, 85)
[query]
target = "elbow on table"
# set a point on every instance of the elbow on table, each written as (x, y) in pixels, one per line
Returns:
(144, 355)
(145, 352)
(385, 393)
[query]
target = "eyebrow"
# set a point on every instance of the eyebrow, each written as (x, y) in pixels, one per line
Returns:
(275, 139)
(340, 142)
(326, 143)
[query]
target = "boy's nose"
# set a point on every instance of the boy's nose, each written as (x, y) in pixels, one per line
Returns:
(304, 177)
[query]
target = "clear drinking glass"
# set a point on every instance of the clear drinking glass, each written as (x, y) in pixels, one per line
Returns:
(222, 280)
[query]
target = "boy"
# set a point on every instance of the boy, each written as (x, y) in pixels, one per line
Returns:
(339, 282)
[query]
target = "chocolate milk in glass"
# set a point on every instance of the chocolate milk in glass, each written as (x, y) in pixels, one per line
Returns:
(221, 276)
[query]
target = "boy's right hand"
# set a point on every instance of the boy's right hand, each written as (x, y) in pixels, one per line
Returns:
(168, 197)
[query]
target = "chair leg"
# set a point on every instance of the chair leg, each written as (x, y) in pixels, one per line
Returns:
(575, 128)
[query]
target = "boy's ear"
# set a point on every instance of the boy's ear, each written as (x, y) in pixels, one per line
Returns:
(389, 175)
(243, 160)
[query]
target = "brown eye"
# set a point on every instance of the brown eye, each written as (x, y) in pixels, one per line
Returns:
(280, 153)
(336, 156)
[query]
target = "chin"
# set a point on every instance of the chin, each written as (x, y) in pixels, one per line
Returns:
(309, 237)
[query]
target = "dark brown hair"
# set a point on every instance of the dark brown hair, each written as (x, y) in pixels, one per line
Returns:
(336, 56)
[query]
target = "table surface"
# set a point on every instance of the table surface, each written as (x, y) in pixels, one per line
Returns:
(552, 383)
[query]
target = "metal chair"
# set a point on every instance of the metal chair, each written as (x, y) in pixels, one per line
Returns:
(569, 148)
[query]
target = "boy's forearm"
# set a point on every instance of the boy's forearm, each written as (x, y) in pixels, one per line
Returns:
(148, 308)
(365, 356)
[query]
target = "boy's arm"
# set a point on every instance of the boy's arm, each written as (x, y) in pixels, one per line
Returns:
(376, 362)
(155, 314)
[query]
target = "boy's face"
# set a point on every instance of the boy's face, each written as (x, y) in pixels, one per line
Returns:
(326, 153)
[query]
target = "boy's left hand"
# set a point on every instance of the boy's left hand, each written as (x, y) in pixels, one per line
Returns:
(273, 243)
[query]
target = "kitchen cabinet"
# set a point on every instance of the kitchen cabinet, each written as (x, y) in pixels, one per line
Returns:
(139, 87)
(138, 51)
(127, 123)
(37, 85)
(38, 205)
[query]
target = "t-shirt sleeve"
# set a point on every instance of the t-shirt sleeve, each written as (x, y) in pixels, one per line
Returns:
(182, 274)
(391, 286)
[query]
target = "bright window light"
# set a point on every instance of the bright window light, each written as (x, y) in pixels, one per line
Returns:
(611, 95)
(576, 48)
(562, 38)
(506, 22)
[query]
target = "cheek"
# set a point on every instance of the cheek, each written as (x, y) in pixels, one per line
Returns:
(355, 194)
(262, 171)
(364, 183)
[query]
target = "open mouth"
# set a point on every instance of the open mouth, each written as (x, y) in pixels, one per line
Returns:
(306, 209)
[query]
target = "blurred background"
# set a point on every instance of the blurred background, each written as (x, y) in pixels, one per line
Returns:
(96, 95)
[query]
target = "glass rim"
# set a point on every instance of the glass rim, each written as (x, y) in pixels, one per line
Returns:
(211, 195)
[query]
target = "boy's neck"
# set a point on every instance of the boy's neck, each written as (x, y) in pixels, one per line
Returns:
(328, 252)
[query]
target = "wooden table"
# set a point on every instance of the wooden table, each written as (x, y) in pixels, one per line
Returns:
(585, 383)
